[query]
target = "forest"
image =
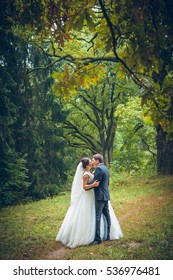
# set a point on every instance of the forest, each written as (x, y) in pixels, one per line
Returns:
(79, 78)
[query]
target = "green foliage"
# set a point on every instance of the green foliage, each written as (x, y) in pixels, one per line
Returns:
(32, 163)
(92, 123)
(135, 149)
(13, 174)
(157, 103)
(13, 171)
(136, 36)
(72, 41)
(71, 80)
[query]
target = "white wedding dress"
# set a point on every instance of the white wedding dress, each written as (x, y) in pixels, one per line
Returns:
(79, 225)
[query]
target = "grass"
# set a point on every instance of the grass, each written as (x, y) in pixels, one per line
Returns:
(144, 208)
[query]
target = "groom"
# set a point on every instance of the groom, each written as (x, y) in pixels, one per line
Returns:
(102, 196)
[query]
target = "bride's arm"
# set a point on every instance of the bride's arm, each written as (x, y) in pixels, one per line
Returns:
(87, 186)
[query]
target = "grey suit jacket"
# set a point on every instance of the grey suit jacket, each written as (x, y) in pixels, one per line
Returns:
(102, 174)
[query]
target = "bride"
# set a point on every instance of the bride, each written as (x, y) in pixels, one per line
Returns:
(79, 225)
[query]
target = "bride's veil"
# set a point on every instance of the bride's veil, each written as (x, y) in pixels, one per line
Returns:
(77, 187)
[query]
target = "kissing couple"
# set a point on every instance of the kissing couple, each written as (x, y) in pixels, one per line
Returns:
(90, 219)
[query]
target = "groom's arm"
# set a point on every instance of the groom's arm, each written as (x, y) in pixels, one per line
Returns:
(87, 186)
(96, 181)
(98, 174)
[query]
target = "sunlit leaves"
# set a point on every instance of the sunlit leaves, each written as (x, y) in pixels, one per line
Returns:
(137, 33)
(74, 78)
(134, 130)
(121, 74)
(157, 103)
(82, 17)
(103, 41)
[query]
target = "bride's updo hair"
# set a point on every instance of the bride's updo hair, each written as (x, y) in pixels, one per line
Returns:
(85, 162)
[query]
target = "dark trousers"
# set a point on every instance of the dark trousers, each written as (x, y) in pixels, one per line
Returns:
(102, 207)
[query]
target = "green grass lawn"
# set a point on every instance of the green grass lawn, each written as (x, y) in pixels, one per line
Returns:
(144, 208)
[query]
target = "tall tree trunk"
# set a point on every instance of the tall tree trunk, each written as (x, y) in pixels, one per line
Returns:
(164, 153)
(108, 150)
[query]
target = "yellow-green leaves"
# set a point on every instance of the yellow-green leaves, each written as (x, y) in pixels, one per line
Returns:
(80, 76)
(156, 103)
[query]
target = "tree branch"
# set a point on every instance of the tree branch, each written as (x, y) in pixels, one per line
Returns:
(114, 42)
(68, 58)
(87, 115)
(148, 147)
(87, 138)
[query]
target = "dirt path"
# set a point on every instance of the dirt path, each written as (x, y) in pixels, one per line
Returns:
(58, 254)
(129, 213)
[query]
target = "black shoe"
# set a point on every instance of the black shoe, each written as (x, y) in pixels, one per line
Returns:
(108, 237)
(95, 242)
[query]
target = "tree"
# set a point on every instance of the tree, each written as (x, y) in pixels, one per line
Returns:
(135, 147)
(13, 171)
(92, 123)
(32, 152)
(139, 34)
(135, 35)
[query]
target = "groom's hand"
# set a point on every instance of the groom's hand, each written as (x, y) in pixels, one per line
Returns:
(96, 183)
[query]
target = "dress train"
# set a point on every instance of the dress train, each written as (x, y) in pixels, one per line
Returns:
(79, 225)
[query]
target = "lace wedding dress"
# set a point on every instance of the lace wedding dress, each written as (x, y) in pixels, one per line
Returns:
(79, 225)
